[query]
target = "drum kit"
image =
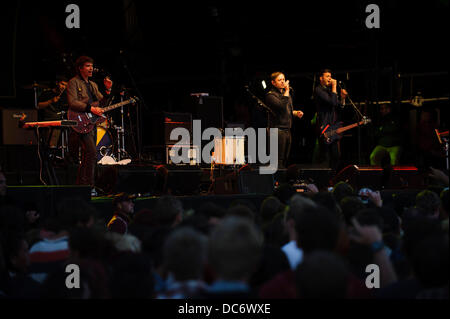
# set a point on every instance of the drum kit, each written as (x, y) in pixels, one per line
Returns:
(110, 140)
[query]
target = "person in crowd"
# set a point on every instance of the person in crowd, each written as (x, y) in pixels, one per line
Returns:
(429, 203)
(234, 254)
(123, 213)
(48, 254)
(185, 256)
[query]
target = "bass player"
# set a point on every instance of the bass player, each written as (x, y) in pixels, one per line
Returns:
(327, 105)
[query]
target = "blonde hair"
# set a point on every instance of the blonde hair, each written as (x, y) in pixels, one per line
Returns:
(274, 75)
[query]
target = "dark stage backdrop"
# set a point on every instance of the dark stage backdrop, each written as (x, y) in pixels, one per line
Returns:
(166, 50)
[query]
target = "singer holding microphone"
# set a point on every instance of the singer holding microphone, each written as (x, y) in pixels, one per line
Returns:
(328, 105)
(279, 100)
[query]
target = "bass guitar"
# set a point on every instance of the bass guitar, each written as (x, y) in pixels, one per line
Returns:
(86, 121)
(332, 133)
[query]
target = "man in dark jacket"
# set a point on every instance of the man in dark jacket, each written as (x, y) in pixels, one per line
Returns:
(327, 102)
(279, 100)
(83, 95)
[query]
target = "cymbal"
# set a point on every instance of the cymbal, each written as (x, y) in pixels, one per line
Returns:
(35, 85)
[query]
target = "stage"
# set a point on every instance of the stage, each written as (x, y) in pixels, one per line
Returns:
(196, 185)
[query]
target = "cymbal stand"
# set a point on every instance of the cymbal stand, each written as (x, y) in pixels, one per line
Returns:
(64, 137)
(35, 86)
(121, 152)
(446, 151)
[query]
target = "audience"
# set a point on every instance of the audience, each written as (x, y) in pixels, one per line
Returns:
(308, 245)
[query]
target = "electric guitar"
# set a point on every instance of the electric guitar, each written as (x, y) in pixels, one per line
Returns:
(332, 133)
(86, 121)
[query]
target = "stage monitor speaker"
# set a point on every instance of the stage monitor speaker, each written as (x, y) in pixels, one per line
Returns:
(226, 185)
(209, 109)
(252, 182)
(184, 181)
(12, 133)
(318, 176)
(377, 178)
(163, 123)
(299, 173)
(46, 198)
(113, 179)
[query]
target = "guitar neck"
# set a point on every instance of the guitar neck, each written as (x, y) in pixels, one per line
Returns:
(114, 106)
(348, 127)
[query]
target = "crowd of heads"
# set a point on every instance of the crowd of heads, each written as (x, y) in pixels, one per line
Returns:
(290, 245)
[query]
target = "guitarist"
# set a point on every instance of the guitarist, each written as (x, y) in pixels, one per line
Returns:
(327, 105)
(83, 95)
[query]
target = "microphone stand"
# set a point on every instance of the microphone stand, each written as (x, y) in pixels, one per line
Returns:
(263, 106)
(361, 117)
(139, 110)
(121, 134)
(258, 101)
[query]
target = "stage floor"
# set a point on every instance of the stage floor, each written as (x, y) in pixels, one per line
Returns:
(194, 187)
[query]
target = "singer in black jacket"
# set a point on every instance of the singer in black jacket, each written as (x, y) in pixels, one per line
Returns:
(328, 105)
(279, 100)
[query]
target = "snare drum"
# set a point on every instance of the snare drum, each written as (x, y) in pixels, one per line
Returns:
(104, 143)
(229, 150)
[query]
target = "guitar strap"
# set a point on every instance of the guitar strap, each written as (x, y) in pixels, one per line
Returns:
(90, 92)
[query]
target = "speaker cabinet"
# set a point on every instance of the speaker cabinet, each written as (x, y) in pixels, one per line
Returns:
(377, 178)
(252, 182)
(162, 124)
(209, 109)
(12, 133)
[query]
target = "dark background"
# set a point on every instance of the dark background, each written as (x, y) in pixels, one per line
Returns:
(166, 50)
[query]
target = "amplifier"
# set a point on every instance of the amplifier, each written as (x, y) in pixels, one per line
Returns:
(186, 153)
(163, 123)
(12, 133)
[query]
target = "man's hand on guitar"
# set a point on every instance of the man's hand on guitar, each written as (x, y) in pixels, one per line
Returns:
(96, 110)
(56, 99)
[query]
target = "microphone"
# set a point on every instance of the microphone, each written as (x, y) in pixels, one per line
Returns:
(342, 87)
(97, 70)
(291, 89)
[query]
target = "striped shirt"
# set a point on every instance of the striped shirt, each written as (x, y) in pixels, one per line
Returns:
(46, 256)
